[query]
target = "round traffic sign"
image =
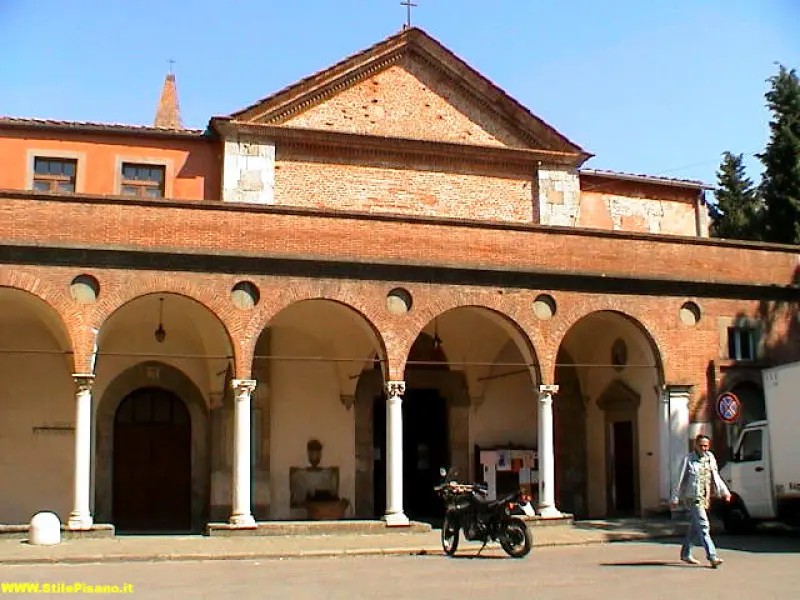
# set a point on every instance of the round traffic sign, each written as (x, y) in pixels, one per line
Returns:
(728, 407)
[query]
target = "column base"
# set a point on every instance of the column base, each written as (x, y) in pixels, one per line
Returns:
(549, 512)
(243, 521)
(396, 520)
(78, 522)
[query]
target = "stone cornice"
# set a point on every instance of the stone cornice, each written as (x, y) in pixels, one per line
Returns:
(348, 142)
(320, 93)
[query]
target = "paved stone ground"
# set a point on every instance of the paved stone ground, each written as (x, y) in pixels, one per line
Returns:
(756, 567)
(153, 548)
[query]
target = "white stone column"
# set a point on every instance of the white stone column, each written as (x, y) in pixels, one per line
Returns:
(663, 446)
(242, 515)
(678, 400)
(547, 473)
(394, 454)
(81, 517)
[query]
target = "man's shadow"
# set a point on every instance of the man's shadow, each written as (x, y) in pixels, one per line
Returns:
(649, 563)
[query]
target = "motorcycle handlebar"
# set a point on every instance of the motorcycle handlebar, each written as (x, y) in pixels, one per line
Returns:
(460, 488)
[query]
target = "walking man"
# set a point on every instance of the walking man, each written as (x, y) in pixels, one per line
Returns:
(698, 482)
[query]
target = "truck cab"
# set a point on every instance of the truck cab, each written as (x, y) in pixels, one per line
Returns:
(748, 474)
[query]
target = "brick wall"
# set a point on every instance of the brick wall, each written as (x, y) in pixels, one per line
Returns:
(212, 228)
(411, 188)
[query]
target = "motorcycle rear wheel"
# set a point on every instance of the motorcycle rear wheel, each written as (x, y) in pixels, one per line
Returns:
(515, 538)
(449, 536)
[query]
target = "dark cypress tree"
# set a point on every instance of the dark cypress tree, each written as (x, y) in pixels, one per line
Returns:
(737, 214)
(780, 185)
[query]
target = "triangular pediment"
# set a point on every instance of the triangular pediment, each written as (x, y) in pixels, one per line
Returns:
(619, 396)
(408, 86)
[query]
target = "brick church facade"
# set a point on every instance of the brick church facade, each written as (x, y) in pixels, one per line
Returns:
(391, 257)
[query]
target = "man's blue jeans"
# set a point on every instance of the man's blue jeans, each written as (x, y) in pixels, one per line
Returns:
(699, 532)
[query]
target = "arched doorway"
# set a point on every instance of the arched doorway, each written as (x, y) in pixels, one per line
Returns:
(152, 476)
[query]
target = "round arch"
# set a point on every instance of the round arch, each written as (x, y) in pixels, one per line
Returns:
(625, 317)
(360, 318)
(37, 302)
(516, 333)
(212, 302)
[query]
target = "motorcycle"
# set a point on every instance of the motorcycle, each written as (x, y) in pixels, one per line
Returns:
(468, 509)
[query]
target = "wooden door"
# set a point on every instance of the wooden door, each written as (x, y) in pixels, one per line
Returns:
(624, 476)
(152, 463)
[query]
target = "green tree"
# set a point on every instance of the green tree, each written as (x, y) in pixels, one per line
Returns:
(780, 184)
(737, 214)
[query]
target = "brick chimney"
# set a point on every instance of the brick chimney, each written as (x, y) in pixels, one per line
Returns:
(168, 114)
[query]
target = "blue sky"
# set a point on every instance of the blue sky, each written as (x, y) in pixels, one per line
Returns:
(648, 86)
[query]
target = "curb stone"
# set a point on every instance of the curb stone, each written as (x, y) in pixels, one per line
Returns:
(608, 538)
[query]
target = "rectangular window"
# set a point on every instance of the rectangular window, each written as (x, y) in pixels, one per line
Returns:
(741, 343)
(54, 174)
(142, 180)
(750, 448)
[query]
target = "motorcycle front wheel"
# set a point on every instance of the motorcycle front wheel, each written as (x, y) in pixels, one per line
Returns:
(515, 538)
(449, 536)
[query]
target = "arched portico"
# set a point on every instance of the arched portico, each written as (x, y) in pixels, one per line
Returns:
(607, 416)
(308, 361)
(37, 433)
(470, 383)
(173, 343)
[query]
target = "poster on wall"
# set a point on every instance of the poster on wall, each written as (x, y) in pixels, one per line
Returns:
(503, 460)
(518, 459)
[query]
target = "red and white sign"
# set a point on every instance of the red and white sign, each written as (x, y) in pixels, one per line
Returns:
(728, 407)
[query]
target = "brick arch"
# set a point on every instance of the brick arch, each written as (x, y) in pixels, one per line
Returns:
(205, 293)
(57, 302)
(511, 312)
(653, 335)
(729, 382)
(271, 305)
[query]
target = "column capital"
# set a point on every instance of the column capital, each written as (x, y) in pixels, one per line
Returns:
(548, 389)
(395, 388)
(84, 381)
(244, 385)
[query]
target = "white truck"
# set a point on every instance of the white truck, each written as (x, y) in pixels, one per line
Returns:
(763, 472)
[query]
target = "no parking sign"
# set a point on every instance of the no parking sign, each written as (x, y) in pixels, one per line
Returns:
(728, 407)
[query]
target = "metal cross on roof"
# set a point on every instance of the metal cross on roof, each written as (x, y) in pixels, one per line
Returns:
(171, 62)
(408, 4)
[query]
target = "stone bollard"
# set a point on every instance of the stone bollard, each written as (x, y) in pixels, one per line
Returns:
(45, 529)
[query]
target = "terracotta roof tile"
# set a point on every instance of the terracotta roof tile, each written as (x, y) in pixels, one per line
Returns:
(89, 126)
(657, 179)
